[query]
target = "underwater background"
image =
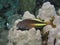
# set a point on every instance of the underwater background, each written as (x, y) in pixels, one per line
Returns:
(11, 10)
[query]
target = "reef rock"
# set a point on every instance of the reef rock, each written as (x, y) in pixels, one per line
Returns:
(52, 36)
(54, 33)
(27, 15)
(33, 36)
(47, 28)
(56, 20)
(47, 11)
(27, 37)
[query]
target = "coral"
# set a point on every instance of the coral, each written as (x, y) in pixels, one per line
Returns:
(57, 35)
(28, 15)
(47, 11)
(56, 20)
(54, 35)
(47, 28)
(24, 37)
(51, 36)
(33, 36)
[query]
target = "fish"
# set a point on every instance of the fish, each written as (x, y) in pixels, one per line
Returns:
(27, 24)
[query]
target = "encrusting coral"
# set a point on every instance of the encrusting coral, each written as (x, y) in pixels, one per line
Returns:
(33, 36)
(27, 15)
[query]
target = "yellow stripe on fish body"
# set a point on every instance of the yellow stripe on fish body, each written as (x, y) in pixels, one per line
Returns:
(37, 20)
(38, 24)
